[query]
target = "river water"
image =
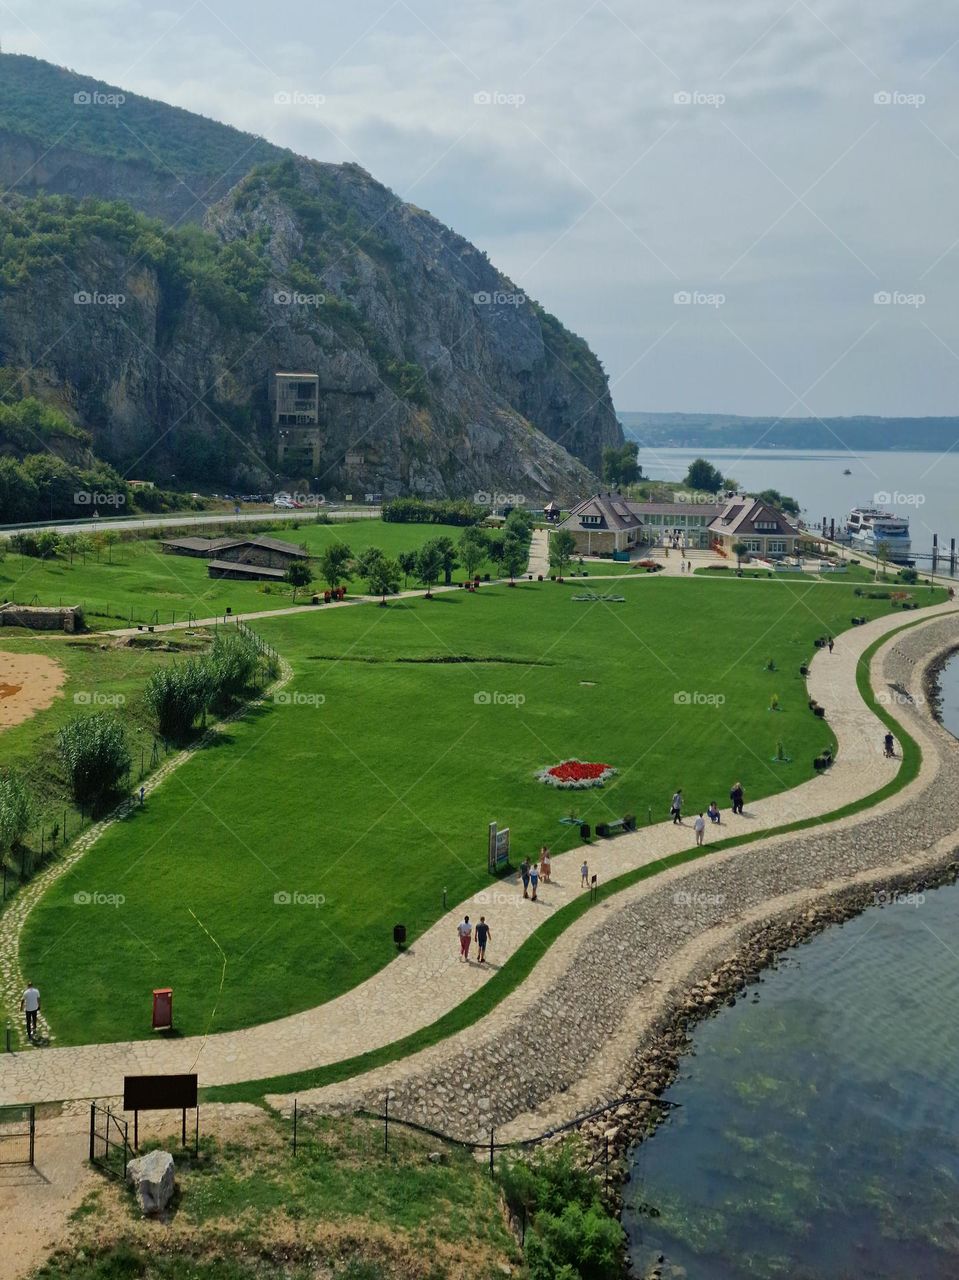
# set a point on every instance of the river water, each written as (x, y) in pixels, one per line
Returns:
(817, 1132)
(922, 486)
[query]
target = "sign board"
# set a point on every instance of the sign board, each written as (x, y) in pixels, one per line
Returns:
(163, 1006)
(498, 848)
(159, 1093)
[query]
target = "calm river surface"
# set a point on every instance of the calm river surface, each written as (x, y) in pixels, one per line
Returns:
(922, 486)
(817, 1136)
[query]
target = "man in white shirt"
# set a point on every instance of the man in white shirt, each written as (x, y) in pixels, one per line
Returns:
(30, 1006)
(699, 826)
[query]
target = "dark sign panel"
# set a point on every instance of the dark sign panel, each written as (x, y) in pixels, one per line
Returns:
(159, 1093)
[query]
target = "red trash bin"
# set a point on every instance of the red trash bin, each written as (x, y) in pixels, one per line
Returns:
(163, 1009)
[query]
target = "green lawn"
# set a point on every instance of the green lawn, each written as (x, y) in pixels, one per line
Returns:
(141, 583)
(373, 786)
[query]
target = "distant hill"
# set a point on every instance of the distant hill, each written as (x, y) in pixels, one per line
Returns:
(158, 336)
(731, 431)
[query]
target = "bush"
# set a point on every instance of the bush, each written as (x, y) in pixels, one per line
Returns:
(571, 1236)
(417, 511)
(95, 753)
(232, 666)
(17, 811)
(178, 696)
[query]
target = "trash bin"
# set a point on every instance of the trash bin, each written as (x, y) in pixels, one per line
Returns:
(584, 830)
(163, 1009)
(399, 934)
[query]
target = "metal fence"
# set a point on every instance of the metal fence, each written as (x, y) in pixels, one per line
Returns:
(18, 1125)
(299, 1120)
(109, 1141)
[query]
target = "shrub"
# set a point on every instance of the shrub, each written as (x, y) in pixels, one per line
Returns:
(178, 696)
(95, 753)
(232, 666)
(417, 511)
(17, 811)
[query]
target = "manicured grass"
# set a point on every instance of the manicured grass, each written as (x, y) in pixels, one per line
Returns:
(521, 964)
(139, 582)
(373, 785)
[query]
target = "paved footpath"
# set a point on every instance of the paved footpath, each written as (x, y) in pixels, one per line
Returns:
(428, 980)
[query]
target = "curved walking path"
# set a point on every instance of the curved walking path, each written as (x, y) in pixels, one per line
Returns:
(573, 1034)
(427, 981)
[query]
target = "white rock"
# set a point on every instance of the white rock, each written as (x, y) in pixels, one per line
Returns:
(152, 1176)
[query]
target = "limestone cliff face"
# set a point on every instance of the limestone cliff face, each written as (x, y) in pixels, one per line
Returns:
(438, 376)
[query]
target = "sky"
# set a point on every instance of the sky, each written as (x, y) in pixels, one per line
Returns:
(744, 206)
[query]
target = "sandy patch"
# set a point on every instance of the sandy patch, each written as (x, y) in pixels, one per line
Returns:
(29, 682)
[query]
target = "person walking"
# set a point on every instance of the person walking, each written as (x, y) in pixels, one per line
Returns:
(30, 1007)
(584, 875)
(545, 864)
(736, 795)
(465, 931)
(889, 746)
(832, 644)
(699, 826)
(676, 807)
(524, 869)
(483, 935)
(533, 881)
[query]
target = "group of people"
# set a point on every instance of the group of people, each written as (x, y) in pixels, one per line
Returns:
(736, 796)
(533, 873)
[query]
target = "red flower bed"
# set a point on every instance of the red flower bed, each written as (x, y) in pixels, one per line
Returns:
(576, 773)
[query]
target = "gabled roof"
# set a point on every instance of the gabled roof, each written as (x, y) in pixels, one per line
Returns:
(741, 515)
(675, 508)
(245, 570)
(602, 511)
(198, 544)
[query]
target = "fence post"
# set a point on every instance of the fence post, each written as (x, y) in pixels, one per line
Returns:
(33, 1129)
(93, 1123)
(386, 1124)
(294, 1126)
(9, 1045)
(491, 1153)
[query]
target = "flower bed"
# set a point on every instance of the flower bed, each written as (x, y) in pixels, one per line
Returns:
(576, 774)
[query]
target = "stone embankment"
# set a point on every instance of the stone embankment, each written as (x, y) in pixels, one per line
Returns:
(608, 1008)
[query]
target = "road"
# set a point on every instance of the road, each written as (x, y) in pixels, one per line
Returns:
(195, 518)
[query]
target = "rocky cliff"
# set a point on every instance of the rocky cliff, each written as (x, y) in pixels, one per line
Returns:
(437, 375)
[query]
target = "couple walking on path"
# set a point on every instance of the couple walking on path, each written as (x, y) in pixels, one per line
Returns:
(483, 936)
(532, 872)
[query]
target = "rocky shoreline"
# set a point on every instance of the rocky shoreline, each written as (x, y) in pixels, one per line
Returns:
(657, 1061)
(931, 690)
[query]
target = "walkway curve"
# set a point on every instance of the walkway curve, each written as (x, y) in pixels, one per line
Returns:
(583, 1027)
(427, 981)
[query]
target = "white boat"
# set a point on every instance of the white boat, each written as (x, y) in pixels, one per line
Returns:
(870, 528)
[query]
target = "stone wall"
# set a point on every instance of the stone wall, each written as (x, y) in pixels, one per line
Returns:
(40, 618)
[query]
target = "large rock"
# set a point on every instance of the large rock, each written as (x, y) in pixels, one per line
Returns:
(152, 1176)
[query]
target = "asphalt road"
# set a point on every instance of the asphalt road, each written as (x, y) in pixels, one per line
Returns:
(193, 518)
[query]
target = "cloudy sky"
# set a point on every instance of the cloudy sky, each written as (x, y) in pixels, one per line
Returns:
(745, 206)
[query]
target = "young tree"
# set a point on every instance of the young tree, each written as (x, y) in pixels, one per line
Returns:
(407, 563)
(703, 477)
(299, 575)
(69, 544)
(740, 549)
(383, 576)
(562, 546)
(473, 549)
(48, 544)
(110, 540)
(334, 564)
(84, 545)
(513, 556)
(429, 566)
(447, 554)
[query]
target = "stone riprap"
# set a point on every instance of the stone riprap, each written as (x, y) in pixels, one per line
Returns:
(566, 1042)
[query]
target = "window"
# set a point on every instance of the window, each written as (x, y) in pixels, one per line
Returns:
(590, 519)
(777, 546)
(753, 544)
